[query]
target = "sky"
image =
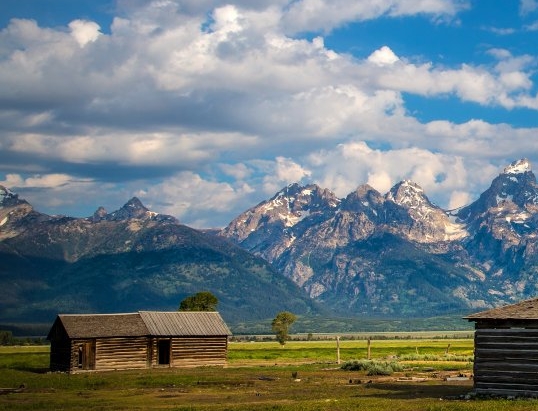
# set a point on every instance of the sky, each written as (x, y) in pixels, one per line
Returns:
(204, 108)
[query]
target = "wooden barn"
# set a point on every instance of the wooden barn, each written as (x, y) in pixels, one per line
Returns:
(506, 350)
(147, 339)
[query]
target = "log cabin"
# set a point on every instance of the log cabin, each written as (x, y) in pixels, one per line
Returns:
(147, 339)
(506, 350)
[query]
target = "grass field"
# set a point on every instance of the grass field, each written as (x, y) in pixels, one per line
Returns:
(325, 351)
(302, 376)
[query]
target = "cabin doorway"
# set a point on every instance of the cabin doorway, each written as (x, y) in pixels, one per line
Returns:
(86, 356)
(163, 352)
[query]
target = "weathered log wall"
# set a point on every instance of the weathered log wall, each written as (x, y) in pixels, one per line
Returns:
(506, 361)
(111, 354)
(119, 353)
(194, 351)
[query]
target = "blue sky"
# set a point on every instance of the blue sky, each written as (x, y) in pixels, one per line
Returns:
(203, 108)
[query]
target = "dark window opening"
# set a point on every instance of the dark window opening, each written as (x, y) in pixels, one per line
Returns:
(164, 352)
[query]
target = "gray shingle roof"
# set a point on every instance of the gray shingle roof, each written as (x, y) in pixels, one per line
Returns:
(103, 325)
(524, 310)
(185, 323)
(158, 324)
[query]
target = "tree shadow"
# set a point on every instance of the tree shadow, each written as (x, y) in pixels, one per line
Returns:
(30, 369)
(40, 370)
(402, 391)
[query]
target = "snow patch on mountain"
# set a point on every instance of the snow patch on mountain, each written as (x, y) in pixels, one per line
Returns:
(518, 167)
(292, 219)
(518, 218)
(410, 195)
(455, 231)
(5, 194)
(503, 197)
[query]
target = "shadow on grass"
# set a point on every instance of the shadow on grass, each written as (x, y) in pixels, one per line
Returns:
(33, 370)
(32, 362)
(19, 366)
(416, 391)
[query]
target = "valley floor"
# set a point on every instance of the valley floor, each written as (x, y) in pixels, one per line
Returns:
(257, 379)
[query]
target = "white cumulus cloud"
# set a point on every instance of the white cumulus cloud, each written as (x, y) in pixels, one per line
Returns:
(84, 32)
(211, 105)
(383, 57)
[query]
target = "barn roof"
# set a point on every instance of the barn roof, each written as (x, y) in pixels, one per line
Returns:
(143, 323)
(524, 310)
(102, 325)
(186, 323)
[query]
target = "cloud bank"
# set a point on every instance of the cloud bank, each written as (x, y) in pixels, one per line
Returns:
(203, 108)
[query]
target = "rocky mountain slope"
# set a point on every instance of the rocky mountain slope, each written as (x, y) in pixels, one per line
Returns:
(130, 259)
(367, 255)
(398, 254)
(503, 226)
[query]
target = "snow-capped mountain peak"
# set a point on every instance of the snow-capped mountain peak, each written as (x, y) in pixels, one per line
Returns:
(283, 213)
(295, 202)
(8, 198)
(407, 194)
(6, 195)
(434, 223)
(508, 207)
(518, 167)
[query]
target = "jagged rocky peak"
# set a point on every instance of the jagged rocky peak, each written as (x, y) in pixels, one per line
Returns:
(14, 212)
(518, 167)
(287, 208)
(365, 197)
(517, 182)
(366, 191)
(408, 194)
(8, 198)
(298, 197)
(132, 209)
(428, 223)
(99, 214)
(516, 185)
(294, 202)
(288, 196)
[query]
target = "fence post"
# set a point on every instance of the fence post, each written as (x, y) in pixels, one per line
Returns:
(337, 349)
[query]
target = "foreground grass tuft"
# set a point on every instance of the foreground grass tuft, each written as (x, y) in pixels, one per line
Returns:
(434, 357)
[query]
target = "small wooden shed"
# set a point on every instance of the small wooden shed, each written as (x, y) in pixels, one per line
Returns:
(506, 350)
(147, 339)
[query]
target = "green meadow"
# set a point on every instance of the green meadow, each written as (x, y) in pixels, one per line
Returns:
(301, 376)
(326, 351)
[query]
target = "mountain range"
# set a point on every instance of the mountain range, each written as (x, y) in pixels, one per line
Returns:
(305, 250)
(128, 260)
(398, 254)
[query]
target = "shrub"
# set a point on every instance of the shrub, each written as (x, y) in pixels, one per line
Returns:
(373, 367)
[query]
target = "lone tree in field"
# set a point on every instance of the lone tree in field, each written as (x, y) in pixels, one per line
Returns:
(281, 325)
(202, 301)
